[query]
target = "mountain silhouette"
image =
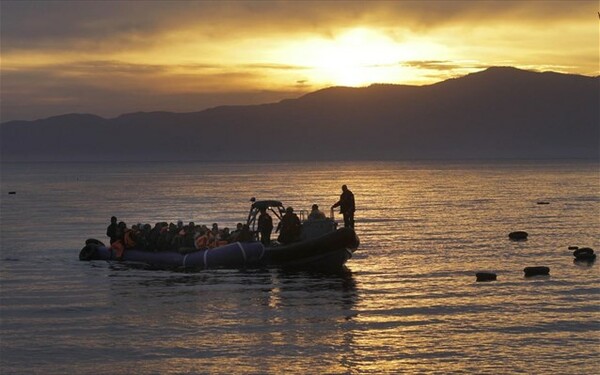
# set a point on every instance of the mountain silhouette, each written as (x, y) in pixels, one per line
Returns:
(500, 112)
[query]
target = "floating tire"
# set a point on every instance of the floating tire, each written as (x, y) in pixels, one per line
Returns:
(518, 235)
(485, 276)
(536, 271)
(573, 247)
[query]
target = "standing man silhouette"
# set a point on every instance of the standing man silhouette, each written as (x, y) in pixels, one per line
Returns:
(347, 207)
(111, 230)
(265, 227)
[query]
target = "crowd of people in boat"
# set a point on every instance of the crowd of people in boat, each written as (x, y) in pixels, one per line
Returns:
(191, 237)
(173, 237)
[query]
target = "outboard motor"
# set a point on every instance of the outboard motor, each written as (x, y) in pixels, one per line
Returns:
(90, 249)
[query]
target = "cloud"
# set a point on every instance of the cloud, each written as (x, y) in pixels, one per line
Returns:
(123, 25)
(443, 65)
(109, 88)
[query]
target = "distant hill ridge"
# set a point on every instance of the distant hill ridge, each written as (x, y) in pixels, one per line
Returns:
(500, 112)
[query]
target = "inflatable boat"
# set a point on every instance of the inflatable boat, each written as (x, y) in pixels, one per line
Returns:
(321, 246)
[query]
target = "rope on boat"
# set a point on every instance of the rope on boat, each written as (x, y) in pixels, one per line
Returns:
(206, 258)
(243, 251)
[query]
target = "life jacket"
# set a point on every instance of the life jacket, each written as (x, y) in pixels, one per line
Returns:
(129, 239)
(119, 248)
(212, 240)
(201, 242)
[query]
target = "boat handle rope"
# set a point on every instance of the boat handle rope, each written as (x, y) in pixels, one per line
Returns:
(184, 258)
(243, 251)
(206, 258)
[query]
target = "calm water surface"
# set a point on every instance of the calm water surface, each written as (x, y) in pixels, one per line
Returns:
(408, 302)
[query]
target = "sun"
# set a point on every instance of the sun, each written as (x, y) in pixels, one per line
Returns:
(354, 57)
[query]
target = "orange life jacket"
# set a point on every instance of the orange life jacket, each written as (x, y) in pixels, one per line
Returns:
(118, 247)
(201, 242)
(129, 239)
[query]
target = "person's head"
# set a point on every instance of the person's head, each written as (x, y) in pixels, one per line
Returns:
(239, 226)
(122, 224)
(289, 210)
(179, 224)
(263, 210)
(315, 207)
(113, 220)
(344, 187)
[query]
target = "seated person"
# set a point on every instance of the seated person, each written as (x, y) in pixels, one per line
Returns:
(289, 227)
(316, 214)
(236, 233)
(245, 234)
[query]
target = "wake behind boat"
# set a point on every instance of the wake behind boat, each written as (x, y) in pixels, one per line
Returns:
(320, 245)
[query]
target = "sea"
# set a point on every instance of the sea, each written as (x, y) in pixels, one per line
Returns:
(407, 302)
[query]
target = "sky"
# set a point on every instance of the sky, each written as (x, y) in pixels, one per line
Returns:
(115, 57)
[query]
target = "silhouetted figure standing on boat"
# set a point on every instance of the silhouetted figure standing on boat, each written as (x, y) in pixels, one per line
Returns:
(111, 230)
(347, 207)
(265, 227)
(289, 226)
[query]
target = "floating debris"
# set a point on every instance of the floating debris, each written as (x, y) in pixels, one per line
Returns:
(543, 202)
(573, 247)
(584, 254)
(536, 271)
(518, 235)
(12, 192)
(485, 276)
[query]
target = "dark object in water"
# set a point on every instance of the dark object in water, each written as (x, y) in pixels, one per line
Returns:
(585, 257)
(584, 254)
(573, 247)
(543, 202)
(485, 276)
(536, 271)
(12, 192)
(583, 251)
(518, 235)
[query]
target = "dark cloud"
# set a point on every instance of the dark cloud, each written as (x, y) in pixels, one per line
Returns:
(135, 24)
(442, 65)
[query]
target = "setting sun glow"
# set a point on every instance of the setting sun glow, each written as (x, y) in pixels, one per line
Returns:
(110, 58)
(355, 57)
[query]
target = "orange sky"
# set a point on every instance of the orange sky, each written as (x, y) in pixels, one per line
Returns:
(110, 58)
